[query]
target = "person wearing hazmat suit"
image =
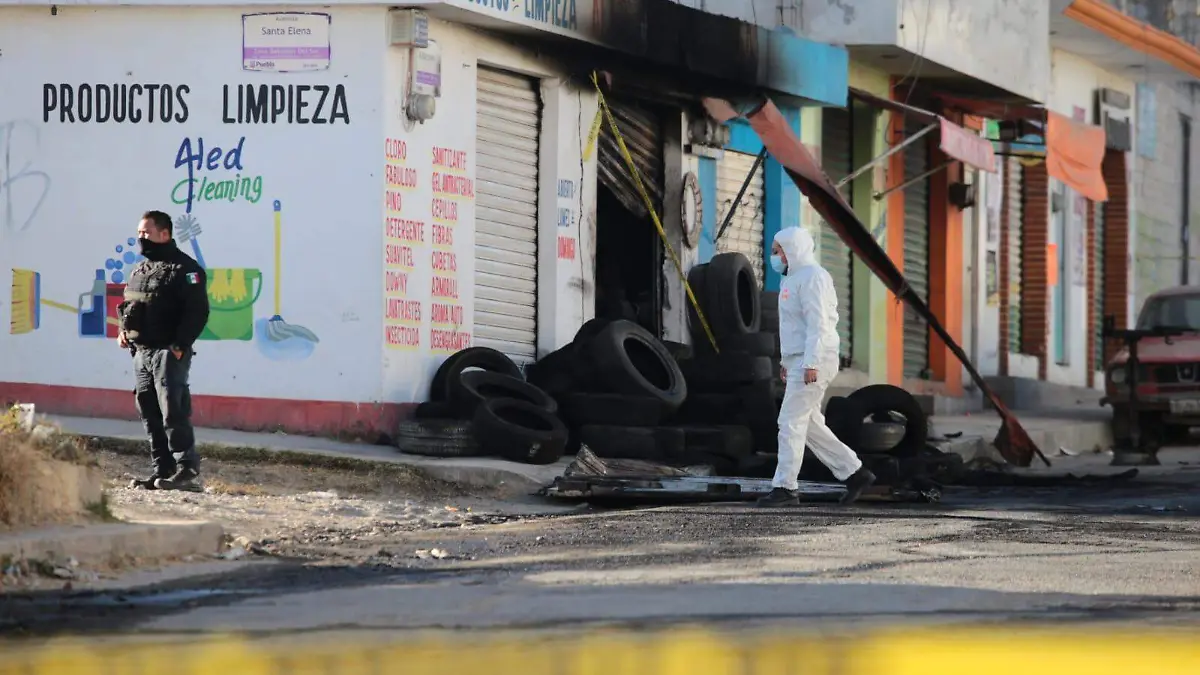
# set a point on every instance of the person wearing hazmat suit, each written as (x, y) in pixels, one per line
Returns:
(808, 345)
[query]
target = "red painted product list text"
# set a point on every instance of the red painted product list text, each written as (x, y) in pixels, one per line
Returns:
(453, 188)
(404, 241)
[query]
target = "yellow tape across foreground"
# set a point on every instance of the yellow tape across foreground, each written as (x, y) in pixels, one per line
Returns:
(925, 652)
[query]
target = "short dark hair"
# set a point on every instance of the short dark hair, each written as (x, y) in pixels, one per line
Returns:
(161, 220)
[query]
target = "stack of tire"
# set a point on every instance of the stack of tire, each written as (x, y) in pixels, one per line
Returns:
(736, 384)
(480, 405)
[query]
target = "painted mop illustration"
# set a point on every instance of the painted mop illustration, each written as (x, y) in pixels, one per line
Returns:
(277, 339)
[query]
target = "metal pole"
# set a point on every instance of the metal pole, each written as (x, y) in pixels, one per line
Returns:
(914, 179)
(762, 154)
(869, 165)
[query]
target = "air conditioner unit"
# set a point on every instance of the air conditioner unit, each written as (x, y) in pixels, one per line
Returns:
(408, 28)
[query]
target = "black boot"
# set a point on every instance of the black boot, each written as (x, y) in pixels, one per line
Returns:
(184, 479)
(779, 497)
(856, 484)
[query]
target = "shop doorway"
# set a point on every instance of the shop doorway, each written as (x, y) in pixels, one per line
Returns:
(628, 264)
(629, 252)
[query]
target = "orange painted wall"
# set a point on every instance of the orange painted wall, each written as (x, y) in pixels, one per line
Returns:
(945, 272)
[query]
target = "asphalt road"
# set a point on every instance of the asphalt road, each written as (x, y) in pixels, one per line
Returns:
(1128, 553)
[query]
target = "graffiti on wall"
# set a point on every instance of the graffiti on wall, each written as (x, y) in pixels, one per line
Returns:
(23, 187)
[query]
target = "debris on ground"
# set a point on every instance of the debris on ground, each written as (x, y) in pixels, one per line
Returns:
(311, 513)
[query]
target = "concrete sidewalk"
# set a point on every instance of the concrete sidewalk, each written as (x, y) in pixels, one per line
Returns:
(1079, 430)
(1075, 429)
(479, 472)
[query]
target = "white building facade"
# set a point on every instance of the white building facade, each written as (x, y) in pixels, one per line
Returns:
(364, 207)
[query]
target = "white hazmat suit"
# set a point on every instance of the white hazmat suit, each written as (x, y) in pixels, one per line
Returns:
(808, 339)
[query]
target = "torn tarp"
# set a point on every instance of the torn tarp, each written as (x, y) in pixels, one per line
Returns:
(769, 124)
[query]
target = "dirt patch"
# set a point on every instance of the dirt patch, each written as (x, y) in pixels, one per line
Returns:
(45, 477)
(309, 512)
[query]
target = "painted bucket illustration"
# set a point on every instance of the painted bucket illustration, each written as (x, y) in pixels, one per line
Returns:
(232, 293)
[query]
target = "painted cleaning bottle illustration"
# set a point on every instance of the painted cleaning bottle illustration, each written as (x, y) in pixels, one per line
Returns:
(92, 308)
(278, 339)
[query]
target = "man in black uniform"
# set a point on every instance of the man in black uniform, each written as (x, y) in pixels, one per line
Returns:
(165, 310)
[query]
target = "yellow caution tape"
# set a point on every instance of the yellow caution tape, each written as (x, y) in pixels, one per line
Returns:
(593, 134)
(637, 181)
(933, 651)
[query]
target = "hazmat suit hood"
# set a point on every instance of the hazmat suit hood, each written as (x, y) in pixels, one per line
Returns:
(798, 245)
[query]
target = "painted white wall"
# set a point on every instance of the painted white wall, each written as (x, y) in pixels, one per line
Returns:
(1075, 81)
(94, 179)
(330, 180)
(1004, 43)
(565, 282)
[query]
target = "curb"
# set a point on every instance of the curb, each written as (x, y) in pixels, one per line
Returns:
(452, 472)
(1082, 436)
(114, 543)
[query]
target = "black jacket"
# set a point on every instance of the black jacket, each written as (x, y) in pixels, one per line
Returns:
(166, 301)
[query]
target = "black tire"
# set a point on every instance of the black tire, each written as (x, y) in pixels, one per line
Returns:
(519, 431)
(559, 372)
(766, 439)
(884, 398)
(844, 417)
(434, 410)
(755, 344)
(590, 329)
(769, 301)
(678, 350)
(651, 444)
(698, 280)
(701, 408)
(611, 410)
(436, 438)
(477, 386)
(731, 441)
(720, 372)
(732, 295)
(629, 360)
(483, 358)
(758, 403)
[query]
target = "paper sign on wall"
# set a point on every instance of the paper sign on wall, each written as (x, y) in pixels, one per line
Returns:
(1051, 265)
(284, 42)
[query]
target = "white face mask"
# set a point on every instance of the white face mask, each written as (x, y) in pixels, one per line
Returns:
(778, 265)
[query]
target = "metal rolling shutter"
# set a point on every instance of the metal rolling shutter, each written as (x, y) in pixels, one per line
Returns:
(1016, 219)
(1098, 286)
(916, 254)
(507, 123)
(837, 159)
(745, 232)
(641, 130)
(1035, 300)
(1116, 243)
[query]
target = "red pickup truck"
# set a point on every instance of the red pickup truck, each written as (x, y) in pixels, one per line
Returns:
(1169, 371)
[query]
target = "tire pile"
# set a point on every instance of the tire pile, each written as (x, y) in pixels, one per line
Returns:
(627, 395)
(617, 389)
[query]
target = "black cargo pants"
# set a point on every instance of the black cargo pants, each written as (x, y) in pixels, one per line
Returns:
(165, 405)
